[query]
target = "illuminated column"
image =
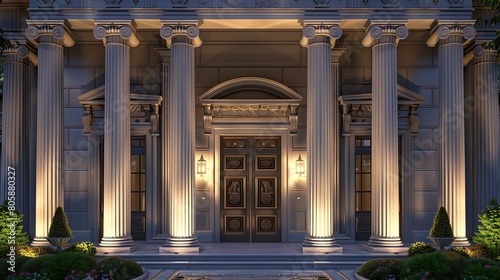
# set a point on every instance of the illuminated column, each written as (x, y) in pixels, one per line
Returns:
(117, 40)
(451, 122)
(50, 38)
(181, 39)
(385, 188)
(321, 130)
(13, 162)
(486, 128)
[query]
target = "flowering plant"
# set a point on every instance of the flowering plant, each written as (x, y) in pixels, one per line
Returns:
(77, 275)
(29, 276)
(111, 267)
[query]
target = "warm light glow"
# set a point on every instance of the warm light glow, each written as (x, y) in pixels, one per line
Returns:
(300, 166)
(201, 166)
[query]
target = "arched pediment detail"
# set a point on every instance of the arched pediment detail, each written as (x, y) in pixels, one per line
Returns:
(253, 98)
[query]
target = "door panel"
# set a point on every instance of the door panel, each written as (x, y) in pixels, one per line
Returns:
(250, 189)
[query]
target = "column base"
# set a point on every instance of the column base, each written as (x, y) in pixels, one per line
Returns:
(324, 245)
(40, 242)
(181, 245)
(117, 245)
(460, 242)
(385, 245)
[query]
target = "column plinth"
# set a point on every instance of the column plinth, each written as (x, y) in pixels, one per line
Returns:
(180, 144)
(385, 208)
(321, 130)
(51, 39)
(117, 151)
(451, 124)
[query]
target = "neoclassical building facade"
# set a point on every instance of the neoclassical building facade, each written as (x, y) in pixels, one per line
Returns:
(186, 122)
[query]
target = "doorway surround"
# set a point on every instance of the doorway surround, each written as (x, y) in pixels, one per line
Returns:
(251, 106)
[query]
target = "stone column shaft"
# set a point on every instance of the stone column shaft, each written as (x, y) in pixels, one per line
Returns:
(486, 128)
(385, 171)
(117, 204)
(14, 127)
(49, 146)
(181, 140)
(451, 124)
(321, 129)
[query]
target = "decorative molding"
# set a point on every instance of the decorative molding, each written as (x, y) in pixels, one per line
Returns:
(192, 32)
(125, 32)
(57, 29)
(332, 31)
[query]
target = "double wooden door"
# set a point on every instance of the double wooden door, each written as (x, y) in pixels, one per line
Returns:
(250, 189)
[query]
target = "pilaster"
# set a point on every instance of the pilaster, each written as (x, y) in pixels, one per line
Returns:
(383, 39)
(51, 37)
(449, 36)
(321, 129)
(14, 186)
(180, 144)
(117, 39)
(486, 127)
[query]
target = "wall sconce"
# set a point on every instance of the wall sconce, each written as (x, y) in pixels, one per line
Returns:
(299, 166)
(201, 166)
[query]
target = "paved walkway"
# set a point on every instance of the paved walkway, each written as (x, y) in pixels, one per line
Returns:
(267, 258)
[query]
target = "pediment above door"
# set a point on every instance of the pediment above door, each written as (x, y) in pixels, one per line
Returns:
(250, 99)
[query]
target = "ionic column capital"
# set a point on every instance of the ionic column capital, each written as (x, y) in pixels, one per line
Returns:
(121, 31)
(480, 54)
(443, 30)
(168, 31)
(333, 31)
(391, 31)
(15, 53)
(56, 29)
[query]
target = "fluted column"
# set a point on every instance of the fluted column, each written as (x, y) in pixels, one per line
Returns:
(383, 38)
(321, 129)
(451, 140)
(51, 38)
(13, 162)
(117, 217)
(181, 39)
(486, 128)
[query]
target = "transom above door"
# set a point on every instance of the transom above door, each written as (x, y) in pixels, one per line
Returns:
(250, 189)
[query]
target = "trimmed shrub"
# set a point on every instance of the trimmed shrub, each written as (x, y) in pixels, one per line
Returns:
(32, 252)
(441, 226)
(61, 265)
(477, 270)
(478, 251)
(464, 251)
(36, 264)
(433, 265)
(368, 267)
(387, 267)
(8, 216)
(133, 268)
(482, 261)
(59, 226)
(457, 263)
(85, 247)
(113, 266)
(488, 232)
(418, 248)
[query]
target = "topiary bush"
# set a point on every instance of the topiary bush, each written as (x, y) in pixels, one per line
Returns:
(488, 232)
(36, 264)
(59, 226)
(432, 265)
(418, 248)
(441, 226)
(387, 267)
(112, 266)
(86, 247)
(133, 268)
(10, 216)
(482, 261)
(60, 265)
(368, 267)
